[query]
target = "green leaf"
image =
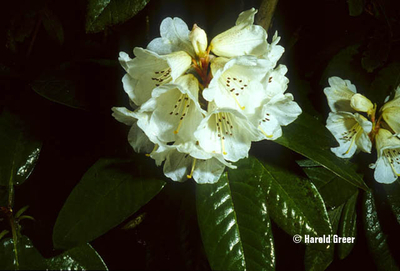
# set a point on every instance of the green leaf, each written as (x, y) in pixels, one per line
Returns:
(21, 211)
(310, 138)
(316, 259)
(385, 82)
(105, 13)
(109, 192)
(334, 190)
(234, 222)
(66, 85)
(393, 197)
(19, 150)
(376, 238)
(29, 258)
(356, 7)
(83, 257)
(3, 233)
(80, 258)
(53, 25)
(294, 203)
(348, 226)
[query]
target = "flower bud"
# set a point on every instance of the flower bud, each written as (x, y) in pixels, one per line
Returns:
(361, 103)
(198, 38)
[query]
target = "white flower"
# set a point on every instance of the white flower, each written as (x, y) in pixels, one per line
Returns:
(279, 111)
(136, 137)
(198, 38)
(171, 83)
(387, 167)
(244, 38)
(174, 37)
(187, 160)
(351, 131)
(342, 96)
(274, 51)
(149, 70)
(227, 132)
(391, 112)
(236, 83)
(174, 111)
(361, 103)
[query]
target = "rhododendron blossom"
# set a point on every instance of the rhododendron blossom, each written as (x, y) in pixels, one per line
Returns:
(356, 132)
(198, 106)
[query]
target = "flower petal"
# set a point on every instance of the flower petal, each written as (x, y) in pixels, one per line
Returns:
(284, 109)
(208, 171)
(361, 103)
(149, 70)
(139, 141)
(174, 109)
(242, 39)
(238, 84)
(339, 94)
(227, 132)
(124, 115)
(383, 172)
(174, 37)
(346, 128)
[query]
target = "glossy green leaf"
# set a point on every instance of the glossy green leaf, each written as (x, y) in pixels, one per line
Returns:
(393, 197)
(105, 13)
(316, 259)
(28, 257)
(294, 203)
(109, 192)
(80, 258)
(376, 238)
(83, 257)
(310, 138)
(233, 220)
(356, 7)
(19, 150)
(348, 226)
(333, 189)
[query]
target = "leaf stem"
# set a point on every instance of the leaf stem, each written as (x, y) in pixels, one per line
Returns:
(10, 214)
(15, 239)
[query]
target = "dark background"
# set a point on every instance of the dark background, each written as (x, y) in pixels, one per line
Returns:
(168, 238)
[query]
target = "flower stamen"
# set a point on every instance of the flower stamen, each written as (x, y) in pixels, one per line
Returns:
(154, 149)
(192, 170)
(184, 113)
(264, 133)
(161, 77)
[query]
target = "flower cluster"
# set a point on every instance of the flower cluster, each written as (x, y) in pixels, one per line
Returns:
(356, 132)
(198, 107)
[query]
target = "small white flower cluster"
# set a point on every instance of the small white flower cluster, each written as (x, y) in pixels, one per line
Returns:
(355, 132)
(199, 107)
